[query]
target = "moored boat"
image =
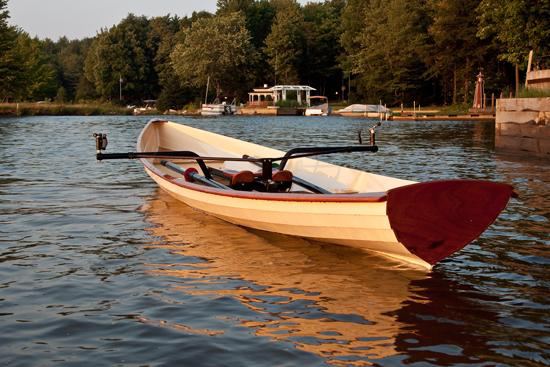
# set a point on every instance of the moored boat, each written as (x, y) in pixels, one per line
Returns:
(290, 193)
(318, 106)
(364, 110)
(217, 109)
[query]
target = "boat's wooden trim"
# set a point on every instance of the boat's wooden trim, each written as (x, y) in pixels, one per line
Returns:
(344, 198)
(435, 219)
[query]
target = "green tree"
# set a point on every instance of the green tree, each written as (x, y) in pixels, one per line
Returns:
(11, 70)
(259, 19)
(186, 22)
(232, 6)
(353, 21)
(259, 16)
(389, 61)
(286, 42)
(70, 56)
(85, 90)
(454, 56)
(6, 35)
(162, 39)
(39, 73)
(218, 48)
(516, 27)
(123, 52)
(61, 96)
(322, 32)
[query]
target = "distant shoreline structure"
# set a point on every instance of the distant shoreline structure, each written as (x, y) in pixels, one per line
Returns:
(53, 109)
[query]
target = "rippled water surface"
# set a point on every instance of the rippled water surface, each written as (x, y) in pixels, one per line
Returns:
(99, 267)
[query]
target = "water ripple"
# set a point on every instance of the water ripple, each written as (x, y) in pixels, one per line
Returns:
(99, 267)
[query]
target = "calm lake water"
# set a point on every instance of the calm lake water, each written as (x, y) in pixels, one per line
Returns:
(98, 267)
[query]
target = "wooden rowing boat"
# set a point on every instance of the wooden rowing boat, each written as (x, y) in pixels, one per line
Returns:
(419, 223)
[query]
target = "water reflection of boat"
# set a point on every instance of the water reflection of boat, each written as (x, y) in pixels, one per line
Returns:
(333, 301)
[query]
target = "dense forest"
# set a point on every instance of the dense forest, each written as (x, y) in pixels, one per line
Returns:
(355, 50)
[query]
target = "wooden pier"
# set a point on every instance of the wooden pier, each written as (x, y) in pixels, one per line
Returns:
(451, 117)
(523, 126)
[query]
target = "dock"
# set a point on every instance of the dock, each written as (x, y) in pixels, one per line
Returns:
(449, 117)
(271, 111)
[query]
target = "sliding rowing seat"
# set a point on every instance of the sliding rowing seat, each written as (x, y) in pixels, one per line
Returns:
(281, 181)
(238, 180)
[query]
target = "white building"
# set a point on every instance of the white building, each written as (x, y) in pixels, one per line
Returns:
(270, 96)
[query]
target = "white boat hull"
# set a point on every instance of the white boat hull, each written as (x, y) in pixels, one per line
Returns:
(217, 109)
(318, 109)
(375, 220)
(360, 226)
(315, 112)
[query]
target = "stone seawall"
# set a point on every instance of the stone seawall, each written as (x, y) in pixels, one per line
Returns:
(523, 126)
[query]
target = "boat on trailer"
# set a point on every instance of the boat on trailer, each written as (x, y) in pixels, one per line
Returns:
(289, 192)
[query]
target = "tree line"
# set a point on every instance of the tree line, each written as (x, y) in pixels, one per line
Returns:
(358, 50)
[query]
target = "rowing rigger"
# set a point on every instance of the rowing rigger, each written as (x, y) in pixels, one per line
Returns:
(267, 164)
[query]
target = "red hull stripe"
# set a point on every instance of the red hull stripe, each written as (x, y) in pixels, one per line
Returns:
(435, 219)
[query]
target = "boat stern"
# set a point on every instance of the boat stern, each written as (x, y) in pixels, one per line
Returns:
(436, 219)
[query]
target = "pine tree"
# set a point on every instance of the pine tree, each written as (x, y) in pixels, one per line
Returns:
(322, 33)
(389, 61)
(285, 44)
(454, 56)
(10, 66)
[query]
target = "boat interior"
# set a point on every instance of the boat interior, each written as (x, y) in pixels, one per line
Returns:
(245, 166)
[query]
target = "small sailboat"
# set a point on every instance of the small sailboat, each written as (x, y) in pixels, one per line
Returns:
(217, 108)
(290, 193)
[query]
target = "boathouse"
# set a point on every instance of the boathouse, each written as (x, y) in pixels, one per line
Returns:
(261, 97)
(270, 96)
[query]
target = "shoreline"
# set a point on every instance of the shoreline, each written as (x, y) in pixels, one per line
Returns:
(54, 109)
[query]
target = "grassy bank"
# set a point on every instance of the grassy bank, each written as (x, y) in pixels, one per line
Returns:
(53, 109)
(457, 109)
(534, 93)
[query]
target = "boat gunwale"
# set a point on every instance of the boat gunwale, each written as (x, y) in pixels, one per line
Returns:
(297, 197)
